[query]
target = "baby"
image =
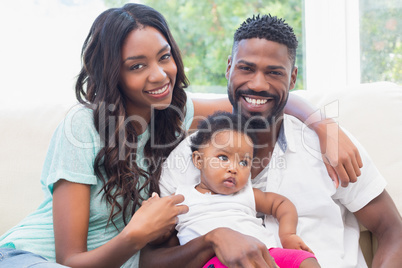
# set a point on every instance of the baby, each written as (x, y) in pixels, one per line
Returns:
(223, 152)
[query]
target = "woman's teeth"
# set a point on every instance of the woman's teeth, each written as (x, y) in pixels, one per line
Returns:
(255, 101)
(159, 91)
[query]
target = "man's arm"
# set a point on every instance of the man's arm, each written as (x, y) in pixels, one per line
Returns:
(382, 218)
(232, 248)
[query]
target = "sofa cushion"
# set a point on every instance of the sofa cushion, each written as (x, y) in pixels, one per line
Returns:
(373, 114)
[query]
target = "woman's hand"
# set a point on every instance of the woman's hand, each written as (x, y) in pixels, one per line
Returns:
(156, 217)
(234, 249)
(340, 155)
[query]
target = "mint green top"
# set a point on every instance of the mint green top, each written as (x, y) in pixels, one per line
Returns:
(71, 156)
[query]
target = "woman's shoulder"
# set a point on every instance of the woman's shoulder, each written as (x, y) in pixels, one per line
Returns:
(78, 125)
(79, 117)
(80, 113)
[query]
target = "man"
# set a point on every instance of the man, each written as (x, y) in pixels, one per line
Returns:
(260, 73)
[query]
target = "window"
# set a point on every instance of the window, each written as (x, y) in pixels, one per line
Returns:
(381, 40)
(342, 42)
(204, 32)
(350, 42)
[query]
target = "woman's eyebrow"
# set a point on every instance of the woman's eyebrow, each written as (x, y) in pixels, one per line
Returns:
(164, 48)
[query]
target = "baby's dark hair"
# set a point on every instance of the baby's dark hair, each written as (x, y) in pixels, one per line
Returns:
(269, 28)
(217, 122)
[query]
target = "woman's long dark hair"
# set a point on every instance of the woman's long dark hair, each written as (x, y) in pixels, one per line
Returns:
(98, 87)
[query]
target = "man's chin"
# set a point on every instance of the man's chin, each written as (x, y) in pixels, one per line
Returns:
(256, 120)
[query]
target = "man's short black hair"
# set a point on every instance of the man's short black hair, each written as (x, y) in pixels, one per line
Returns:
(217, 122)
(270, 28)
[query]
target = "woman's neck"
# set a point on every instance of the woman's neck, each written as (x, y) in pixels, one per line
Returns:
(139, 118)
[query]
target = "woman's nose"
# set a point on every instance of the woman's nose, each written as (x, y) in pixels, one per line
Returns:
(157, 74)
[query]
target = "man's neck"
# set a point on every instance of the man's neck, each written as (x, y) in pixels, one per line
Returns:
(266, 140)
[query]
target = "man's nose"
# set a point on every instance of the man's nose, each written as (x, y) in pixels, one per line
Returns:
(258, 82)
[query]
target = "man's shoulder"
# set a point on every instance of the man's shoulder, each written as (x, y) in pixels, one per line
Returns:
(299, 134)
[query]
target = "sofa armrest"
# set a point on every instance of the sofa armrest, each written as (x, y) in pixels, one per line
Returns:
(26, 133)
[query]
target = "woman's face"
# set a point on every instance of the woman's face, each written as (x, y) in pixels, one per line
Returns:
(148, 72)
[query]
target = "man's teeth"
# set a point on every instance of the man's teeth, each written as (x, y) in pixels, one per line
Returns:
(255, 101)
(159, 91)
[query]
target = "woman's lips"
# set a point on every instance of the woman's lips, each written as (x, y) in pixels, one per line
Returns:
(160, 92)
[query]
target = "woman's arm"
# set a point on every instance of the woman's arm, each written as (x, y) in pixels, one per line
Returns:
(285, 212)
(71, 202)
(205, 107)
(340, 155)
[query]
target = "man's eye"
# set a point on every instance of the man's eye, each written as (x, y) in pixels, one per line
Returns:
(275, 73)
(245, 68)
(223, 157)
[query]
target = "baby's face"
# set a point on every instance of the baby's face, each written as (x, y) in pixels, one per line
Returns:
(225, 162)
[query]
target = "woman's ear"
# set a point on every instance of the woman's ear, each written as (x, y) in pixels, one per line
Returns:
(197, 160)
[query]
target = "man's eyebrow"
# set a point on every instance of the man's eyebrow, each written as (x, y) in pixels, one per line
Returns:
(246, 63)
(268, 67)
(164, 48)
(276, 67)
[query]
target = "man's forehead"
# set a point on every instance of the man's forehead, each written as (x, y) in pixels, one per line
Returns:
(253, 45)
(258, 48)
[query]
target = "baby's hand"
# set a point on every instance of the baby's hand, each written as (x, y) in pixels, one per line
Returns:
(294, 242)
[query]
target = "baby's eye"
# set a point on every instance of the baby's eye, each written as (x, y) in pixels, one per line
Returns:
(223, 157)
(243, 163)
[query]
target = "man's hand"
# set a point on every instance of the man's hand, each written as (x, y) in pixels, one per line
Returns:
(234, 249)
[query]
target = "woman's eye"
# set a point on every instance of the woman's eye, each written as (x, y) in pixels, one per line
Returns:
(136, 66)
(244, 163)
(223, 157)
(166, 56)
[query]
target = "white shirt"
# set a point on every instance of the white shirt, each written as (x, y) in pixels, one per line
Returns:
(326, 222)
(210, 211)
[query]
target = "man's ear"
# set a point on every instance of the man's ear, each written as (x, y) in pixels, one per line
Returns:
(197, 160)
(293, 78)
(228, 67)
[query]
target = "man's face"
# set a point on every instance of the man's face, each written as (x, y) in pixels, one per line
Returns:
(259, 78)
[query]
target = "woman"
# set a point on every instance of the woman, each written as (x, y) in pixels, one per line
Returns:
(105, 158)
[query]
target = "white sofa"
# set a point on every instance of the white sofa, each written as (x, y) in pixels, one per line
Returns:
(371, 112)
